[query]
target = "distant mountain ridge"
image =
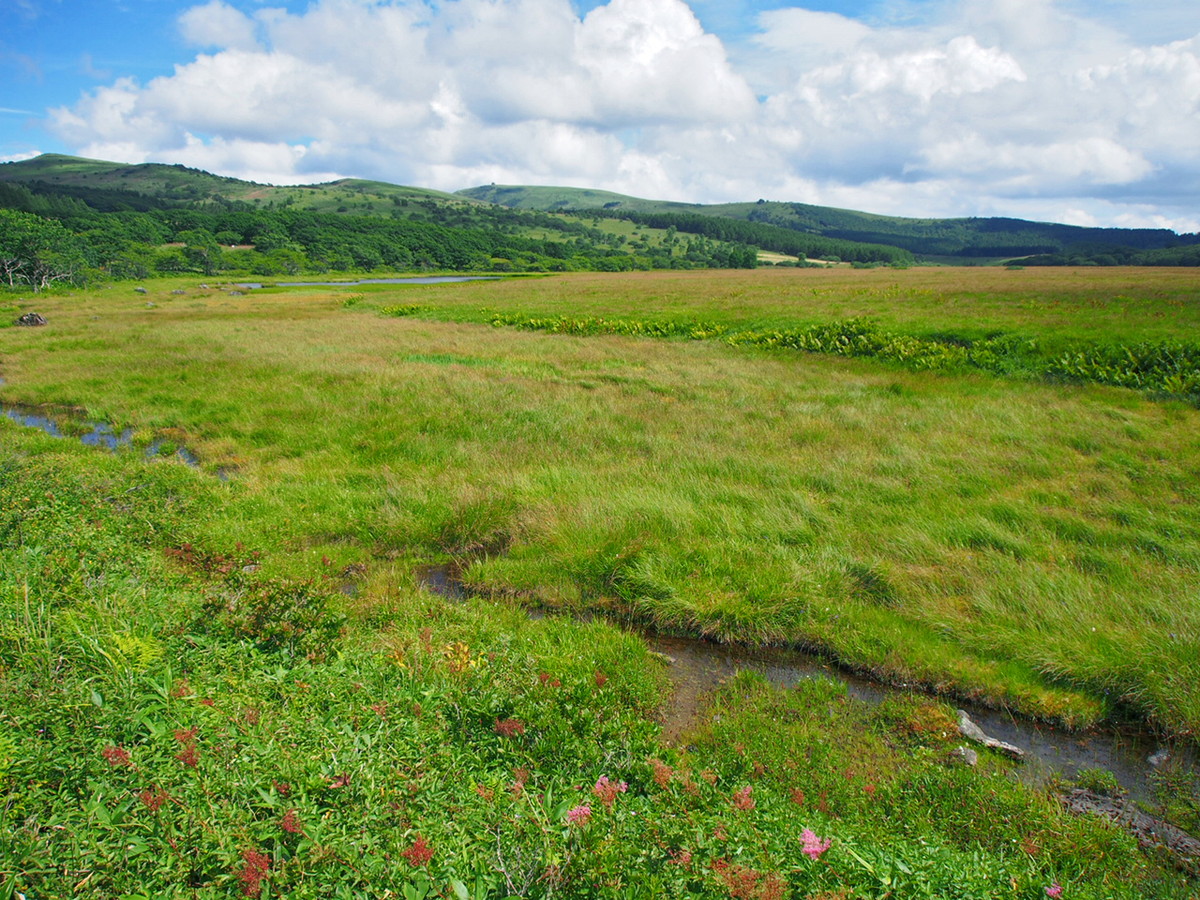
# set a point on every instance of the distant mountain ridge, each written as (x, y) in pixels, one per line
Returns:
(596, 221)
(961, 237)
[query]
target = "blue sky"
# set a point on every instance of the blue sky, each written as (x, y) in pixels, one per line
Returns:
(1050, 109)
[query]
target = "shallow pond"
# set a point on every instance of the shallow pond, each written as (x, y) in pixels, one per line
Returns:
(93, 434)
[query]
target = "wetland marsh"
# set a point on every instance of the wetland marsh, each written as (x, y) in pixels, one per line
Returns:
(1018, 542)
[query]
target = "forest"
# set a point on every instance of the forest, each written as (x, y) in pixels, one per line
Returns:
(51, 233)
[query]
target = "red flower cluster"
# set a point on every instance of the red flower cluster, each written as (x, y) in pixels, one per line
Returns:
(662, 772)
(520, 777)
(509, 727)
(188, 755)
(742, 798)
(291, 823)
(607, 790)
(154, 800)
(254, 869)
(117, 756)
(419, 853)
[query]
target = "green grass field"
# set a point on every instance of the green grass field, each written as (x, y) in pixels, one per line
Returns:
(1023, 543)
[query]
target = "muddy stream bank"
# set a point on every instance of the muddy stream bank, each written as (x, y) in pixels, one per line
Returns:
(698, 667)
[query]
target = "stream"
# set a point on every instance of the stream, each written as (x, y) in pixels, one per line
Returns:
(698, 667)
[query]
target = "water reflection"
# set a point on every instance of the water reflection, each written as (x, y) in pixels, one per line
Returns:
(97, 434)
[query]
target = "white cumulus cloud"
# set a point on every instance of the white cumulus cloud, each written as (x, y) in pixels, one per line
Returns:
(979, 107)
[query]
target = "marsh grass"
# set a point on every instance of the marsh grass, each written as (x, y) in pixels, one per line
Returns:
(173, 723)
(1017, 543)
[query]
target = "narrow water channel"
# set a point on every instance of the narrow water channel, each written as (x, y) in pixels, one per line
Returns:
(698, 667)
(416, 279)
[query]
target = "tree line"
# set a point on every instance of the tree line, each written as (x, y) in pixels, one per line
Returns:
(51, 233)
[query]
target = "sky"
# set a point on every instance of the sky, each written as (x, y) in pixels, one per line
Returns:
(1078, 111)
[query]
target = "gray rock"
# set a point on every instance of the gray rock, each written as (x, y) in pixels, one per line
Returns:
(1159, 757)
(1149, 831)
(971, 731)
(31, 320)
(966, 754)
(178, 292)
(140, 290)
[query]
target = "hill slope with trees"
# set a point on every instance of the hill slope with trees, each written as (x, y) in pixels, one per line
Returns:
(965, 239)
(119, 221)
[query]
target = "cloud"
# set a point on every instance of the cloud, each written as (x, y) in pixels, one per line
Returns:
(217, 24)
(1093, 160)
(437, 89)
(958, 108)
(88, 67)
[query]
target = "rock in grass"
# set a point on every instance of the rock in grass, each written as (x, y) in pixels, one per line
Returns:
(966, 755)
(140, 290)
(1149, 831)
(969, 729)
(1160, 758)
(31, 320)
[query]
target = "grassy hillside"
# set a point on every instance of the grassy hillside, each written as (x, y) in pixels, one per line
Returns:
(180, 184)
(146, 220)
(966, 238)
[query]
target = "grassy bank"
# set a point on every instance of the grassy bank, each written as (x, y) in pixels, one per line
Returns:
(172, 726)
(1019, 542)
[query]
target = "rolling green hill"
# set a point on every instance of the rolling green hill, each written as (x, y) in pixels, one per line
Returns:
(970, 238)
(159, 185)
(68, 219)
(517, 228)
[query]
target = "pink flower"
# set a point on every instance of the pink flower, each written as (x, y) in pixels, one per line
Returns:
(607, 790)
(813, 845)
(579, 815)
(1055, 890)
